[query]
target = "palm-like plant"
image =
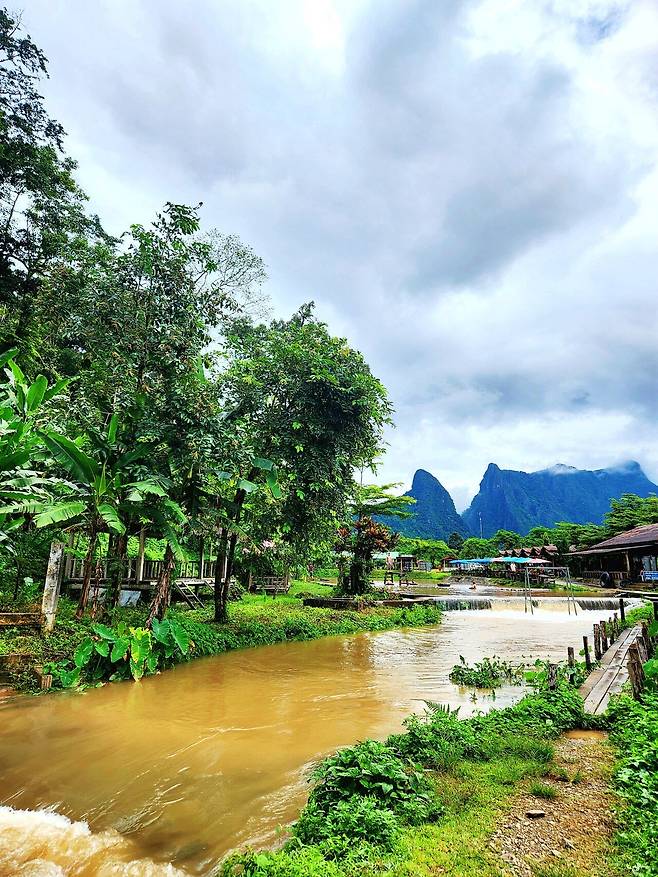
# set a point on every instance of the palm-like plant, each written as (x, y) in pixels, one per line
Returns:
(104, 492)
(20, 484)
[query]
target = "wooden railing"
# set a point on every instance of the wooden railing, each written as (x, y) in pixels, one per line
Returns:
(189, 569)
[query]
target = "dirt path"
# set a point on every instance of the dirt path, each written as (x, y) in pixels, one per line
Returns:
(572, 838)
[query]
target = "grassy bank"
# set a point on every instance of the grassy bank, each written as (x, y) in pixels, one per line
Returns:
(425, 802)
(253, 621)
(634, 734)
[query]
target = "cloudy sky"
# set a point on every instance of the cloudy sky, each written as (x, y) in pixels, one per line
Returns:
(467, 188)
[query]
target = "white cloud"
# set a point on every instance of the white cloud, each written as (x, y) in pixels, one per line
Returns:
(468, 190)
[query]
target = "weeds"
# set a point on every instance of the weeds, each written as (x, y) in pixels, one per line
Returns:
(543, 790)
(487, 673)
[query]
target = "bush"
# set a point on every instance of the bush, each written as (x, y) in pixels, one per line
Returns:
(305, 862)
(439, 739)
(372, 769)
(487, 673)
(353, 820)
(635, 734)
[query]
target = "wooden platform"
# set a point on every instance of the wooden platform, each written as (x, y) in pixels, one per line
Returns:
(608, 679)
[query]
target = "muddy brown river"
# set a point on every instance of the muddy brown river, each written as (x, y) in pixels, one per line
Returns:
(183, 767)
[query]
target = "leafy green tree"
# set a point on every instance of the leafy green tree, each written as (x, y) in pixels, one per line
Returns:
(630, 511)
(507, 539)
(455, 541)
(432, 550)
(20, 445)
(476, 547)
(41, 207)
(303, 399)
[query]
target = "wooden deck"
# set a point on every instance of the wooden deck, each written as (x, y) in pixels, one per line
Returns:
(608, 679)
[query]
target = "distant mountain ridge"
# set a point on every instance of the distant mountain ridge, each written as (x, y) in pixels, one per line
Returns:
(510, 499)
(434, 513)
(514, 500)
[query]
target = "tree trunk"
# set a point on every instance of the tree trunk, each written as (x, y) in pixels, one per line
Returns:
(221, 593)
(86, 580)
(220, 566)
(202, 545)
(139, 569)
(117, 564)
(17, 582)
(160, 600)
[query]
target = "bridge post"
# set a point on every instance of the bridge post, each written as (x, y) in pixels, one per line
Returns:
(588, 658)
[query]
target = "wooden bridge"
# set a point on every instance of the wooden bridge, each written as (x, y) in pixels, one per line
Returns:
(612, 673)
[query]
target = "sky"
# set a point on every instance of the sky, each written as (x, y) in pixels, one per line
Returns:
(468, 190)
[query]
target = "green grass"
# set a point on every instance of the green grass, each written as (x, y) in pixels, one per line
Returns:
(475, 767)
(634, 733)
(543, 790)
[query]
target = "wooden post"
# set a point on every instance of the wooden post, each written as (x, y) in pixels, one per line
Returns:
(597, 642)
(655, 609)
(51, 586)
(610, 630)
(139, 570)
(588, 658)
(552, 676)
(622, 609)
(571, 660)
(635, 670)
(202, 546)
(646, 638)
(604, 636)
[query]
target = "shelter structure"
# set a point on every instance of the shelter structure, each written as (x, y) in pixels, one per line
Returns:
(536, 552)
(632, 555)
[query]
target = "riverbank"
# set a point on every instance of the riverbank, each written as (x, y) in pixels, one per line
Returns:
(534, 790)
(426, 801)
(254, 620)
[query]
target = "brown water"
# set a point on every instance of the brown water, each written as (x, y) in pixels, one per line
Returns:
(182, 767)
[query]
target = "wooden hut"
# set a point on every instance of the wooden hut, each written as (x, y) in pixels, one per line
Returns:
(632, 555)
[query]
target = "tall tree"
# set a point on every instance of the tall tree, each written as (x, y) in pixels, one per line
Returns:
(306, 401)
(41, 207)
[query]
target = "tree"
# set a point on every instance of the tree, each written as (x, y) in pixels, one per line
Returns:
(507, 539)
(476, 547)
(307, 402)
(630, 511)
(20, 484)
(41, 207)
(361, 541)
(432, 550)
(455, 541)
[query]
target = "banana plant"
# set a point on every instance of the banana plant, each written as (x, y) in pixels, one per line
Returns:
(20, 442)
(97, 499)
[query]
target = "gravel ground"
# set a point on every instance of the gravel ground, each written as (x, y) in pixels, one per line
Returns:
(571, 839)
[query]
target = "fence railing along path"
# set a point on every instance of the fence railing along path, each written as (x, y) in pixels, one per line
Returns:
(621, 654)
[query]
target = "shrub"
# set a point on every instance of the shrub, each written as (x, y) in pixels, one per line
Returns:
(635, 734)
(305, 862)
(353, 820)
(487, 673)
(373, 769)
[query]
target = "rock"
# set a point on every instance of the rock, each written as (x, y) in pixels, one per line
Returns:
(535, 814)
(557, 854)
(567, 843)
